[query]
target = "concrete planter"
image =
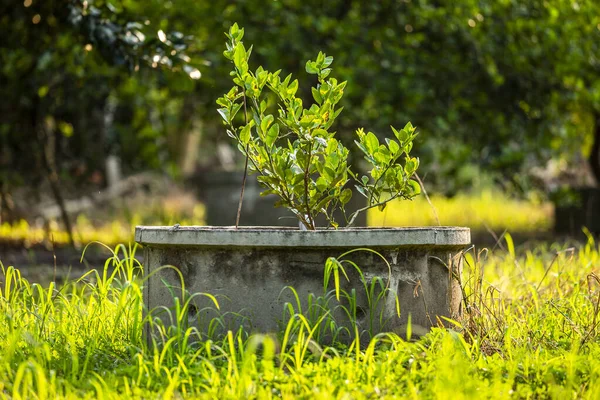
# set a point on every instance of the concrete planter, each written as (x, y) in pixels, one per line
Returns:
(248, 269)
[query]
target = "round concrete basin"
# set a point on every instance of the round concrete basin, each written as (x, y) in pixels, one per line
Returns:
(248, 270)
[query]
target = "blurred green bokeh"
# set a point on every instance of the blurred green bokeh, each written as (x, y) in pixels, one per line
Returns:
(496, 87)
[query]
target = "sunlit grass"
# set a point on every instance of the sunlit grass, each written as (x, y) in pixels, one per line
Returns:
(23, 234)
(479, 212)
(530, 330)
(119, 230)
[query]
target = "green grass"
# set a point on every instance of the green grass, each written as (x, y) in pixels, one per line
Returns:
(530, 330)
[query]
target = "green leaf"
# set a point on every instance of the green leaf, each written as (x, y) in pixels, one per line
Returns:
(239, 57)
(267, 180)
(266, 122)
(267, 192)
(307, 121)
(361, 147)
(234, 110)
(321, 141)
(224, 112)
(233, 30)
(298, 177)
(362, 190)
(286, 81)
(320, 133)
(332, 146)
(233, 94)
(322, 184)
(371, 142)
(339, 180)
(383, 155)
(323, 204)
(336, 114)
(324, 73)
(411, 166)
(311, 67)
(393, 146)
(416, 188)
(329, 174)
(223, 101)
(401, 135)
(317, 96)
(291, 90)
(320, 59)
(262, 78)
(272, 134)
(245, 133)
(345, 196)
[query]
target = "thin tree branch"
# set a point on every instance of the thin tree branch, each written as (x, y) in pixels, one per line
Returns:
(239, 211)
(435, 214)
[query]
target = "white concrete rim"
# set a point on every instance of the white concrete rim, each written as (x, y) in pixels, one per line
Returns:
(229, 236)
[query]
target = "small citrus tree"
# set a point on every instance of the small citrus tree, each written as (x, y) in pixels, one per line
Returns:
(294, 151)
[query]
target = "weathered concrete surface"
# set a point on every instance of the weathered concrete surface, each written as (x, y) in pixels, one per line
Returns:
(195, 236)
(250, 271)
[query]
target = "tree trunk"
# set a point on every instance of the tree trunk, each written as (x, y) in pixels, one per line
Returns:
(189, 137)
(594, 159)
(55, 186)
(6, 205)
(112, 161)
(47, 150)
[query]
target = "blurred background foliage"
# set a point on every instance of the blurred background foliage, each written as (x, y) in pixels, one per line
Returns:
(497, 88)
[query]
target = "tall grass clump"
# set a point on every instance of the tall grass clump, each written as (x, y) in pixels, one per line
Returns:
(530, 330)
(55, 340)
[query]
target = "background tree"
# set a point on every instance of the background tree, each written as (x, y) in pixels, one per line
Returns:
(62, 61)
(497, 86)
